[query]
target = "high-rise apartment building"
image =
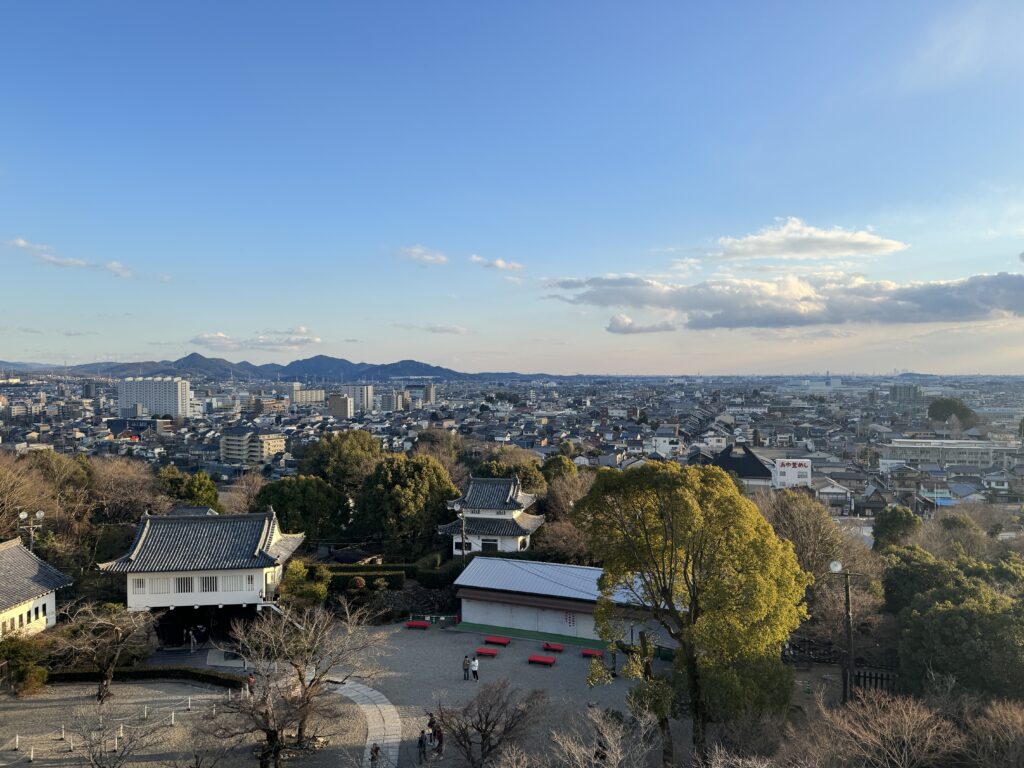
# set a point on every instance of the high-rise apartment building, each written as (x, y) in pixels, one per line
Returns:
(250, 446)
(362, 394)
(341, 406)
(156, 395)
(300, 396)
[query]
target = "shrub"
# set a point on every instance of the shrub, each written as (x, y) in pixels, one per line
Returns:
(429, 561)
(33, 679)
(210, 676)
(345, 581)
(438, 578)
(357, 582)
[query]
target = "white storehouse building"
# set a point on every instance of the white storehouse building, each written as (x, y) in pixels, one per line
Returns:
(494, 514)
(28, 590)
(201, 564)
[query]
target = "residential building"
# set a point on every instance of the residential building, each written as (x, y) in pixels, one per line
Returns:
(361, 394)
(493, 515)
(341, 406)
(154, 395)
(28, 589)
(299, 396)
(249, 445)
(791, 473)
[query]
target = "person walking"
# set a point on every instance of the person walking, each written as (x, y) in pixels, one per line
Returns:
(475, 667)
(439, 737)
(421, 747)
(375, 754)
(465, 667)
(431, 727)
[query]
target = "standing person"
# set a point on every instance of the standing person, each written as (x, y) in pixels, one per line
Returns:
(475, 666)
(375, 754)
(439, 736)
(465, 667)
(250, 683)
(431, 727)
(421, 747)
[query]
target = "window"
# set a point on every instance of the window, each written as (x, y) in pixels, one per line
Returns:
(159, 586)
(36, 617)
(207, 583)
(183, 584)
(44, 609)
(250, 581)
(231, 583)
(458, 545)
(138, 586)
(21, 620)
(570, 618)
(489, 545)
(28, 616)
(523, 542)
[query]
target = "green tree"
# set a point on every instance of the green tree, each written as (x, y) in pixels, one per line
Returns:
(303, 586)
(306, 505)
(911, 571)
(506, 462)
(196, 490)
(402, 502)
(558, 466)
(942, 408)
(343, 459)
(702, 560)
(893, 526)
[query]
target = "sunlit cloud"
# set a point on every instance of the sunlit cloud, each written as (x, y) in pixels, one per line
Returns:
(423, 255)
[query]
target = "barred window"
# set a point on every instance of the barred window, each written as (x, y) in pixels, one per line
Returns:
(183, 584)
(231, 583)
(159, 586)
(208, 584)
(138, 586)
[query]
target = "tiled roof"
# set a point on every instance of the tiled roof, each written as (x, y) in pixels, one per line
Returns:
(494, 493)
(215, 543)
(23, 576)
(520, 525)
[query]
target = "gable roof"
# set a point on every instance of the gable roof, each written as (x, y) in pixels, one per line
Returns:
(520, 525)
(743, 461)
(207, 543)
(527, 577)
(23, 576)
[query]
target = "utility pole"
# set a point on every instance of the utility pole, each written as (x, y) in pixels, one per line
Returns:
(462, 517)
(849, 669)
(30, 525)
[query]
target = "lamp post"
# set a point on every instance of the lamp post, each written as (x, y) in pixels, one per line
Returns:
(462, 519)
(837, 568)
(30, 525)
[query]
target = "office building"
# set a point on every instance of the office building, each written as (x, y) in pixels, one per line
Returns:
(341, 406)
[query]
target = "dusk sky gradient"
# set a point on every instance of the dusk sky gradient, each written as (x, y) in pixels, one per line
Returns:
(598, 187)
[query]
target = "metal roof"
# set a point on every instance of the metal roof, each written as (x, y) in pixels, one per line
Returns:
(215, 543)
(571, 582)
(23, 576)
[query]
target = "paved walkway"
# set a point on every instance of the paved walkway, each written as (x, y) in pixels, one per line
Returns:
(383, 725)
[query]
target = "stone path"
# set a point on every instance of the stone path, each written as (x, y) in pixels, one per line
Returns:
(383, 725)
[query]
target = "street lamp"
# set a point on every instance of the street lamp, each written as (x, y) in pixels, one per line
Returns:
(837, 568)
(31, 525)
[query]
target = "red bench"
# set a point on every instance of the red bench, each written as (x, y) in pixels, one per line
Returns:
(593, 653)
(497, 640)
(486, 651)
(417, 625)
(547, 661)
(556, 647)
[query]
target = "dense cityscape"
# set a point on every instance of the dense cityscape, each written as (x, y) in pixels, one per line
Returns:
(512, 385)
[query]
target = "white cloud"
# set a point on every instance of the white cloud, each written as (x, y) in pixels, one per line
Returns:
(163, 277)
(423, 255)
(117, 268)
(830, 298)
(57, 261)
(291, 340)
(626, 325)
(794, 240)
(499, 264)
(433, 328)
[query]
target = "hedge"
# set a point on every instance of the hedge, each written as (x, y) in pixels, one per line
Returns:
(213, 677)
(409, 569)
(342, 581)
(439, 578)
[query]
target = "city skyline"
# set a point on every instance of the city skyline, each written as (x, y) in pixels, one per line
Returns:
(562, 189)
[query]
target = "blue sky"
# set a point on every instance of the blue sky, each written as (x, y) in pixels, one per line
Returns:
(567, 187)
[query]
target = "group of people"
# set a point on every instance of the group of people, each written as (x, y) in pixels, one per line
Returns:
(471, 666)
(432, 736)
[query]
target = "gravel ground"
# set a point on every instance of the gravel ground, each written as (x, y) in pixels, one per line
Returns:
(37, 721)
(423, 667)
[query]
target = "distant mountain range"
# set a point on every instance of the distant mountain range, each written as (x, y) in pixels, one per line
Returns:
(320, 367)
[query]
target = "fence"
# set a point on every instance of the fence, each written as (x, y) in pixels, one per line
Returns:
(874, 680)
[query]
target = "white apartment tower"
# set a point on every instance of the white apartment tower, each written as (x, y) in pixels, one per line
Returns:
(158, 395)
(362, 394)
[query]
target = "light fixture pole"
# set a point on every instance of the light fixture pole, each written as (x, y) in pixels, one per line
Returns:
(848, 672)
(30, 525)
(462, 519)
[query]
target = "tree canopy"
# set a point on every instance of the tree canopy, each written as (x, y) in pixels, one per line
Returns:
(196, 490)
(343, 459)
(306, 505)
(700, 557)
(506, 462)
(893, 526)
(942, 408)
(402, 502)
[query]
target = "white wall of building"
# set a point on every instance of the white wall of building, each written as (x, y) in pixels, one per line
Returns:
(31, 616)
(476, 543)
(579, 623)
(791, 473)
(170, 590)
(159, 395)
